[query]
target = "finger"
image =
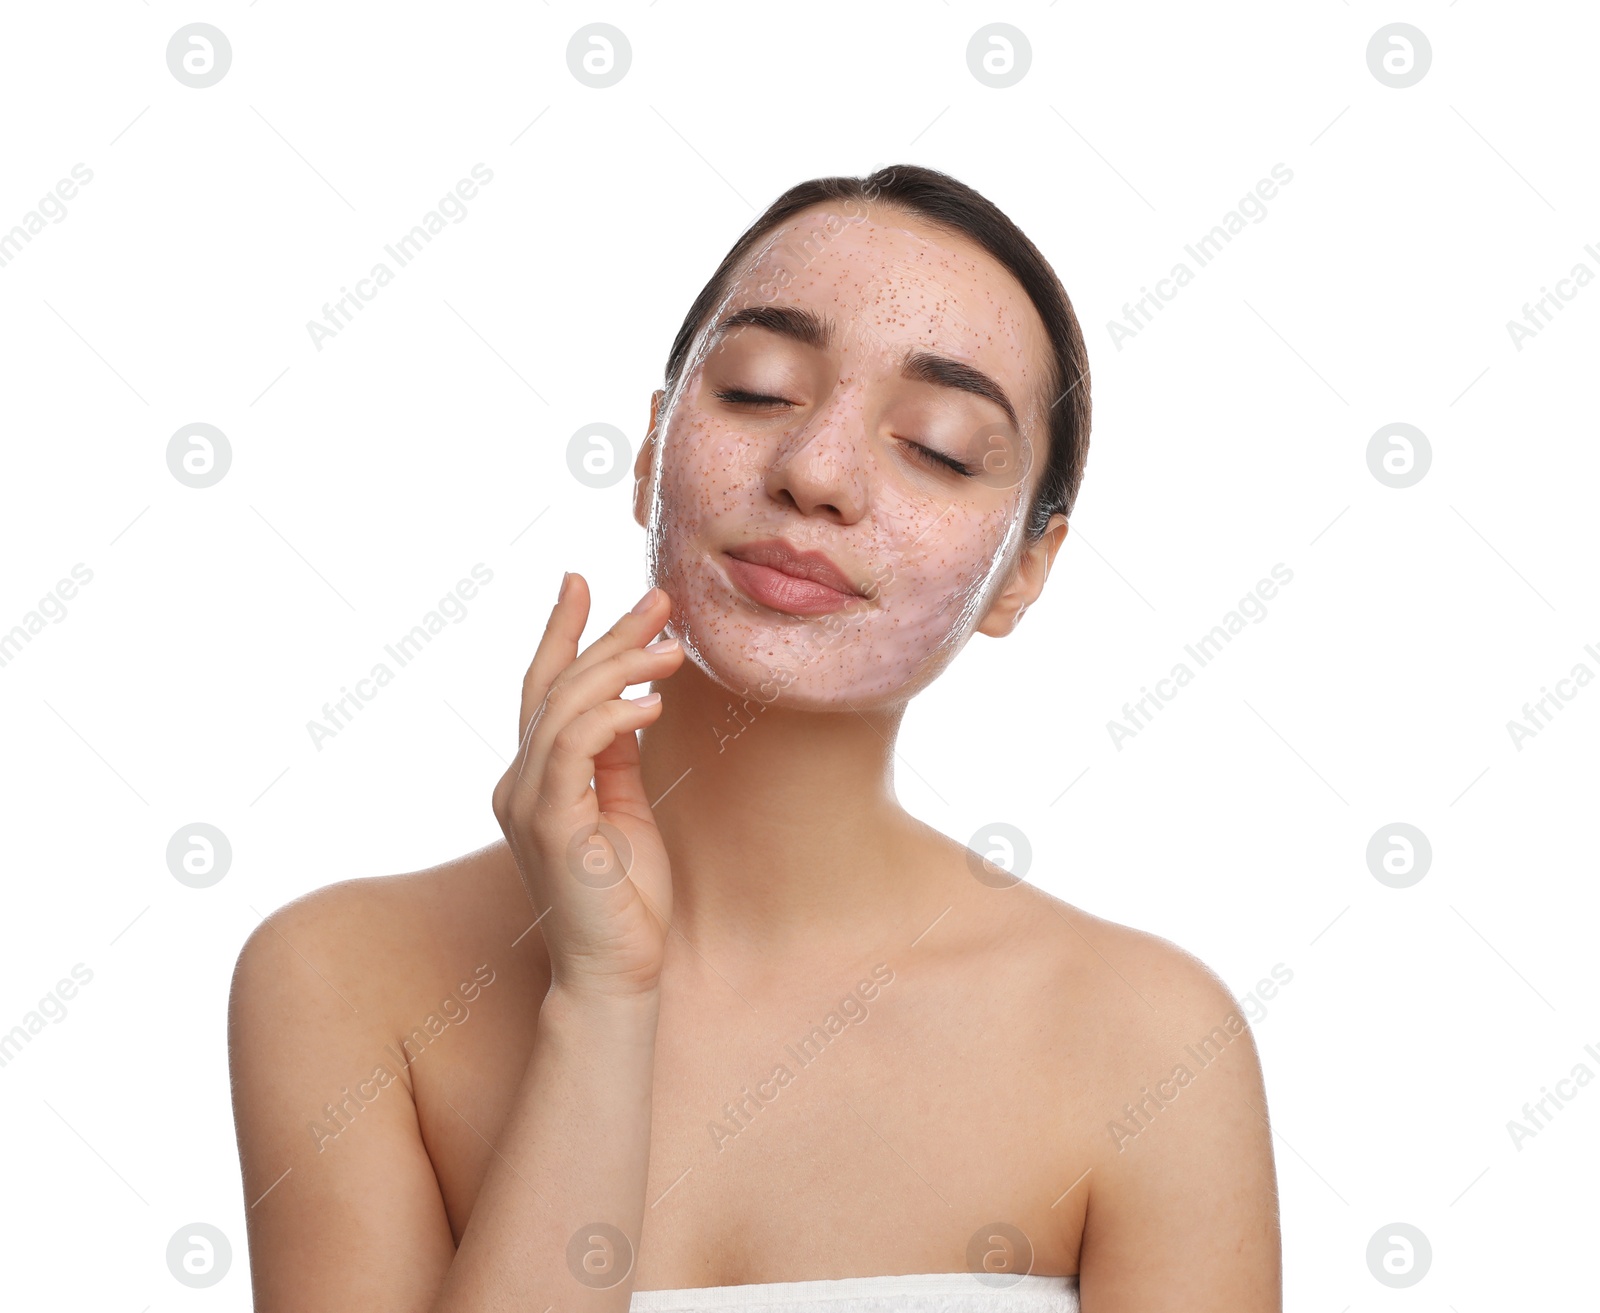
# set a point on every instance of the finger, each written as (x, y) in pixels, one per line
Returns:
(576, 691)
(632, 630)
(618, 781)
(570, 765)
(571, 696)
(557, 648)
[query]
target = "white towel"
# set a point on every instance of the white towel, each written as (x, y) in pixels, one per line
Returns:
(937, 1292)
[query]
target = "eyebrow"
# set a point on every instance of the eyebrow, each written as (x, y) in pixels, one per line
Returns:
(926, 367)
(790, 321)
(810, 329)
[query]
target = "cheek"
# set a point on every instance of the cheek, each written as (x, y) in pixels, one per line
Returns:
(707, 469)
(947, 528)
(935, 561)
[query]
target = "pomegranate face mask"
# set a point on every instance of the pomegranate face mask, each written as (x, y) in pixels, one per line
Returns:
(844, 468)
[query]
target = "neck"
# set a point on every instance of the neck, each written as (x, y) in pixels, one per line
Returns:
(781, 825)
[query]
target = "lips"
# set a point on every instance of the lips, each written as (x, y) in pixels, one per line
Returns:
(799, 583)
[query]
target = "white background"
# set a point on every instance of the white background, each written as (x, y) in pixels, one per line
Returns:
(1229, 435)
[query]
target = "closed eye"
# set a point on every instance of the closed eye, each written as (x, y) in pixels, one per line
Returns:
(930, 456)
(926, 455)
(739, 397)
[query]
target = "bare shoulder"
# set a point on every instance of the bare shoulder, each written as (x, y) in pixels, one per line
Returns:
(1170, 1122)
(1147, 984)
(1138, 1012)
(1121, 982)
(369, 940)
(325, 1105)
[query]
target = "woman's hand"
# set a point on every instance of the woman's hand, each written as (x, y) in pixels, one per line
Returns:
(591, 858)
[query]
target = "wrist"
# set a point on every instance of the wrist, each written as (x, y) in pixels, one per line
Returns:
(592, 1002)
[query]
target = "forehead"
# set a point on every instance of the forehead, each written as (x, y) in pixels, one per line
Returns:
(901, 282)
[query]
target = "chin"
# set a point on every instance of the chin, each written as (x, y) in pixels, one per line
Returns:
(809, 670)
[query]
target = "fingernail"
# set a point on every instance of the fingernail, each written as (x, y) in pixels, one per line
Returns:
(648, 700)
(662, 645)
(645, 603)
(566, 579)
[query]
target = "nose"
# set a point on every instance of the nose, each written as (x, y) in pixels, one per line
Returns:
(821, 469)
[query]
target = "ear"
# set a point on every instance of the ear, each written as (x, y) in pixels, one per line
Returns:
(1026, 582)
(644, 463)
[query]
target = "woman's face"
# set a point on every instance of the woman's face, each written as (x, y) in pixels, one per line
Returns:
(869, 396)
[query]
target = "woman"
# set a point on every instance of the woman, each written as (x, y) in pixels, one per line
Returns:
(773, 1042)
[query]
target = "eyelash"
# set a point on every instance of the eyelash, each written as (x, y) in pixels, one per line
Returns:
(941, 460)
(738, 397)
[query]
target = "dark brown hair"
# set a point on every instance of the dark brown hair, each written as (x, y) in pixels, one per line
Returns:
(939, 199)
